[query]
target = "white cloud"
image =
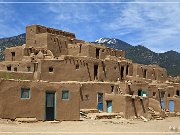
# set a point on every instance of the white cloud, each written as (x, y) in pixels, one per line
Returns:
(157, 25)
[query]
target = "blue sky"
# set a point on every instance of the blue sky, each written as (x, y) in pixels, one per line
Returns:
(154, 25)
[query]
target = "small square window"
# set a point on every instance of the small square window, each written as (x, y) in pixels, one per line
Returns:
(13, 53)
(51, 69)
(154, 94)
(28, 69)
(25, 93)
(15, 68)
(169, 94)
(9, 68)
(86, 97)
(65, 94)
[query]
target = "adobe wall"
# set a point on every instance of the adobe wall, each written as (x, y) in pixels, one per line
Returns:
(89, 91)
(58, 45)
(33, 30)
(18, 50)
(176, 88)
(40, 41)
(136, 107)
(81, 69)
(130, 106)
(155, 104)
(113, 69)
(55, 43)
(90, 50)
(17, 66)
(176, 103)
(133, 88)
(65, 70)
(12, 106)
(118, 103)
(153, 72)
(153, 92)
(78, 50)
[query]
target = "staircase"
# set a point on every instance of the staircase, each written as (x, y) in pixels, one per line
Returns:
(155, 115)
(120, 91)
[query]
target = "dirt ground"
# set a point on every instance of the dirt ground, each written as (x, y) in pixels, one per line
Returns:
(123, 126)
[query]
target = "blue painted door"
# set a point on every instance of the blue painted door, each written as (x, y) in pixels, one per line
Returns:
(171, 105)
(162, 103)
(109, 106)
(100, 101)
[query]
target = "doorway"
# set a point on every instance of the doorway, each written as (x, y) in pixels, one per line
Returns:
(100, 101)
(13, 56)
(122, 72)
(162, 93)
(95, 72)
(109, 106)
(171, 106)
(50, 106)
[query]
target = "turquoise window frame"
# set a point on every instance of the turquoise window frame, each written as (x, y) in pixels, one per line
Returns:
(21, 91)
(62, 95)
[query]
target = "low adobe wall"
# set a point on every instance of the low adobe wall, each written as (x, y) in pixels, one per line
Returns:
(16, 75)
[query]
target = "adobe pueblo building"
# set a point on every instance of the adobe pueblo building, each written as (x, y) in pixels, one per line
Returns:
(54, 75)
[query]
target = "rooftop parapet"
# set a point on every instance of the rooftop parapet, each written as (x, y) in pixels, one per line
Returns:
(37, 29)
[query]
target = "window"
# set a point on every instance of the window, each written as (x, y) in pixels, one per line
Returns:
(112, 89)
(162, 94)
(51, 69)
(145, 73)
(15, 68)
(9, 68)
(97, 53)
(177, 93)
(77, 66)
(86, 97)
(154, 94)
(28, 69)
(95, 72)
(25, 93)
(13, 56)
(169, 94)
(122, 72)
(65, 94)
(80, 46)
(127, 70)
(139, 92)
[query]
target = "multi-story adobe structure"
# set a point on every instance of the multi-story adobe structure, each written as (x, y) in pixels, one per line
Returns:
(54, 75)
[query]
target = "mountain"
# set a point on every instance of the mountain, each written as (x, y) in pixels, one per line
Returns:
(114, 43)
(10, 42)
(140, 54)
